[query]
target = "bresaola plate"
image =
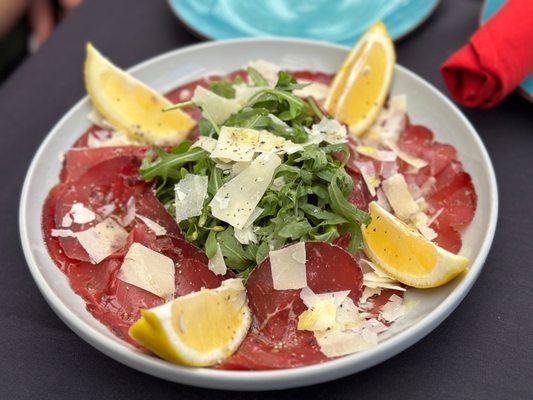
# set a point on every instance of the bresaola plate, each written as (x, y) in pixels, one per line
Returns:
(452, 191)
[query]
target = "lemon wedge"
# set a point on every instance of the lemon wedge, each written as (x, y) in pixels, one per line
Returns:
(405, 255)
(130, 105)
(362, 83)
(198, 329)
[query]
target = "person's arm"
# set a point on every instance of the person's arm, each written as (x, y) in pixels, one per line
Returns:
(10, 12)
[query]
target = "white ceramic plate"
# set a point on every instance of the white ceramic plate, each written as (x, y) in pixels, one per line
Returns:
(425, 105)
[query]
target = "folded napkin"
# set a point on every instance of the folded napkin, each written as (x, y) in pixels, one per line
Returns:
(496, 59)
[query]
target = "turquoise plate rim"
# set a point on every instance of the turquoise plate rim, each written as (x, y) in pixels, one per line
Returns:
(396, 36)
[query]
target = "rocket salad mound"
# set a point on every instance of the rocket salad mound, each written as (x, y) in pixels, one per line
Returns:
(308, 197)
(264, 219)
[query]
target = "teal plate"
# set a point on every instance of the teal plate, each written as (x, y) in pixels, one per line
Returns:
(341, 21)
(490, 7)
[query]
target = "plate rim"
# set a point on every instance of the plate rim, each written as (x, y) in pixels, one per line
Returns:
(272, 379)
(202, 35)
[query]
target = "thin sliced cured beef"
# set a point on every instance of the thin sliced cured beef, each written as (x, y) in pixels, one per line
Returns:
(80, 160)
(113, 302)
(274, 342)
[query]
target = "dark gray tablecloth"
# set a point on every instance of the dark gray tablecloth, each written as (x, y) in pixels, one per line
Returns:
(484, 350)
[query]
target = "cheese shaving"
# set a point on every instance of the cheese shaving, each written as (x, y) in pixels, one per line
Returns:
(243, 93)
(103, 239)
(327, 130)
(236, 144)
(81, 214)
(317, 90)
(205, 143)
(409, 159)
(217, 107)
(288, 270)
(217, 264)
(130, 212)
(369, 292)
(106, 210)
(148, 270)
(376, 154)
(393, 309)
(191, 192)
(338, 343)
(152, 225)
(268, 70)
(368, 172)
(399, 197)
(236, 200)
(62, 233)
(246, 235)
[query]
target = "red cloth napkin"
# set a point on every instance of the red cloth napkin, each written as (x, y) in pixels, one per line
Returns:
(496, 59)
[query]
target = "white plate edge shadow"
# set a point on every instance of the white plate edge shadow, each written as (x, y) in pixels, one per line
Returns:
(259, 380)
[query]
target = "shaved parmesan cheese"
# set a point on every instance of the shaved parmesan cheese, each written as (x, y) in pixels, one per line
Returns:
(393, 309)
(368, 173)
(338, 343)
(382, 200)
(246, 235)
(328, 130)
(130, 212)
(376, 154)
(81, 214)
(399, 197)
(152, 225)
(236, 200)
(428, 185)
(372, 280)
(321, 316)
(374, 325)
(288, 267)
(268, 70)
(239, 166)
(369, 292)
(217, 107)
(236, 144)
(105, 138)
(62, 233)
(66, 221)
(324, 310)
(243, 93)
(390, 122)
(106, 210)
(148, 270)
(205, 143)
(409, 159)
(240, 144)
(103, 239)
(191, 192)
(421, 221)
(388, 169)
(317, 90)
(268, 142)
(348, 315)
(217, 264)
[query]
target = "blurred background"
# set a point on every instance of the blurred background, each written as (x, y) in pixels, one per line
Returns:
(25, 25)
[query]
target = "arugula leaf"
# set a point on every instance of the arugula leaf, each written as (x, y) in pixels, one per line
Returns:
(211, 245)
(223, 88)
(256, 77)
(233, 251)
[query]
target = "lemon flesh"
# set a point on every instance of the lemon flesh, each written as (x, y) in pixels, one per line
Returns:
(361, 85)
(407, 256)
(199, 329)
(130, 105)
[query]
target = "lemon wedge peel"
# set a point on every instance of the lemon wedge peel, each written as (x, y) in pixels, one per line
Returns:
(130, 105)
(199, 329)
(412, 259)
(362, 84)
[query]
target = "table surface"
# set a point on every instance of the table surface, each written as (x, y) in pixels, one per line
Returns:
(482, 351)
